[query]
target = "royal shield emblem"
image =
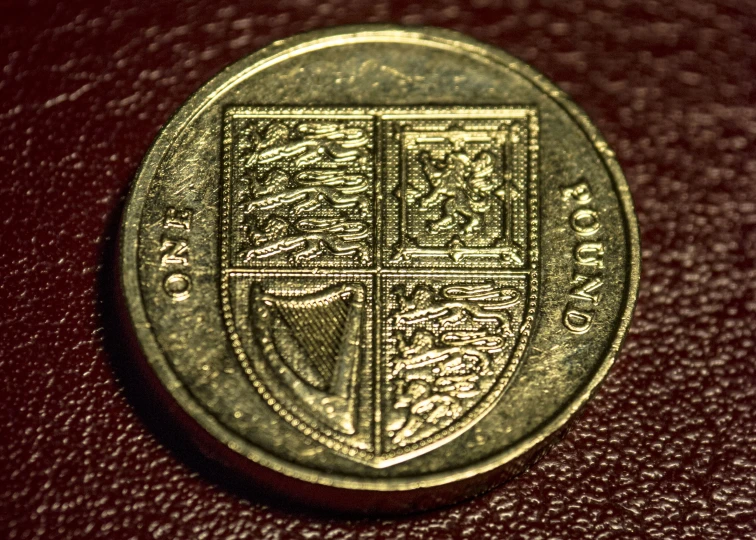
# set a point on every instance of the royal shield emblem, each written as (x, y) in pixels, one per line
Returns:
(380, 267)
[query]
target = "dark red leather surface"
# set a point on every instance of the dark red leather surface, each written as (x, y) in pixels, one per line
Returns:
(666, 450)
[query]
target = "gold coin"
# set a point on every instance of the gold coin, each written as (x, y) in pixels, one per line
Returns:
(379, 269)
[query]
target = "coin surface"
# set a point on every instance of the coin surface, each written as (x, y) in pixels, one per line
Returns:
(377, 268)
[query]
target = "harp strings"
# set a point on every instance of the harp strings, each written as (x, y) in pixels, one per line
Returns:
(318, 326)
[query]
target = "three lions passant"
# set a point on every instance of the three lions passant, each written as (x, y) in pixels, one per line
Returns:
(447, 340)
(311, 196)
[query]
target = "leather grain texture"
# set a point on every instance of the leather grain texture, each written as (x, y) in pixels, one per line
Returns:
(666, 448)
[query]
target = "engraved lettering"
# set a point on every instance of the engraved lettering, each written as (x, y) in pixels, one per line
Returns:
(587, 259)
(584, 221)
(578, 321)
(176, 218)
(590, 254)
(175, 252)
(580, 193)
(177, 285)
(586, 288)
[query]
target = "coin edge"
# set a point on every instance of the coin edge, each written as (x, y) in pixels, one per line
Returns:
(129, 236)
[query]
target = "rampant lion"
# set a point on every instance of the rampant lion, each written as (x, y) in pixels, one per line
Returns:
(462, 185)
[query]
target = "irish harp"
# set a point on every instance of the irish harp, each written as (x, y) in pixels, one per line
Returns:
(312, 345)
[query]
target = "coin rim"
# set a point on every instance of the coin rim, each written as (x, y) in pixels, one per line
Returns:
(301, 44)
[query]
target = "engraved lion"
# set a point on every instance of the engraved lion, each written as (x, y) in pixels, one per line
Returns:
(308, 143)
(311, 190)
(307, 239)
(462, 187)
(435, 377)
(486, 303)
(457, 354)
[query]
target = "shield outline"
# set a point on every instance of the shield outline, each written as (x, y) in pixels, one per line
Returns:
(529, 270)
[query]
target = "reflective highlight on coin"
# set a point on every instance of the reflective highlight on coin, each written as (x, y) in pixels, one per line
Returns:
(379, 261)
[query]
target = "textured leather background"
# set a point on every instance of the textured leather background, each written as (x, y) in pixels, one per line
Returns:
(666, 450)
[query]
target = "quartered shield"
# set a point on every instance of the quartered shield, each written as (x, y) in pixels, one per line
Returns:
(380, 267)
